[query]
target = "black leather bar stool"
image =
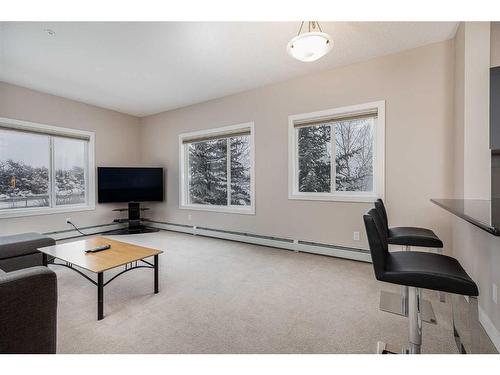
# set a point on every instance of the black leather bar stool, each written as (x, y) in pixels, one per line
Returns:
(419, 270)
(408, 237)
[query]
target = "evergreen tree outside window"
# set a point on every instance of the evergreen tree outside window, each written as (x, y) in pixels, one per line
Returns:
(353, 156)
(208, 172)
(240, 171)
(338, 154)
(24, 170)
(314, 158)
(217, 169)
(69, 159)
(44, 169)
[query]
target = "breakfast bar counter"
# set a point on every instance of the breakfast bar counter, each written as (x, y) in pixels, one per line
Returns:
(482, 213)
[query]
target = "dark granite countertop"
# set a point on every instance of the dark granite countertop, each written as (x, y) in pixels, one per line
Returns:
(481, 213)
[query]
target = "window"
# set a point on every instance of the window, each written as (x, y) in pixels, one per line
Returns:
(71, 172)
(217, 169)
(44, 169)
(338, 154)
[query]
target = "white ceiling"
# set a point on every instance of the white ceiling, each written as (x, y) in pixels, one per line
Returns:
(144, 68)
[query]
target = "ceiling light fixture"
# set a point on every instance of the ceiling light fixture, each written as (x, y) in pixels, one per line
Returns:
(311, 45)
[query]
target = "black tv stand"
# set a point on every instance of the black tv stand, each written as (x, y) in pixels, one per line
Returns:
(134, 220)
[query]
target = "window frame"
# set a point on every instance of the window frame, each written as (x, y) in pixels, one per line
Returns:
(55, 131)
(378, 155)
(224, 131)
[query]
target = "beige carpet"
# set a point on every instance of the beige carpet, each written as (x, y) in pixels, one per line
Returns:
(220, 296)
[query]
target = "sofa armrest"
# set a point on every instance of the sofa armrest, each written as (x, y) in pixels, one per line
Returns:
(28, 311)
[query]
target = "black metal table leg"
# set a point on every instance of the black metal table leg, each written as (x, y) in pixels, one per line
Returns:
(156, 273)
(100, 279)
(100, 296)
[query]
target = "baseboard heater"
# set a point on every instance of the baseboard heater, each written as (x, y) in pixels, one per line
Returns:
(269, 241)
(67, 234)
(256, 239)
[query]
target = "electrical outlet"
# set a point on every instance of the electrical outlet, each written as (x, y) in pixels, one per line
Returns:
(68, 220)
(189, 217)
(494, 293)
(355, 236)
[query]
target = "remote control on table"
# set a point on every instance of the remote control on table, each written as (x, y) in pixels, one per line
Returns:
(98, 248)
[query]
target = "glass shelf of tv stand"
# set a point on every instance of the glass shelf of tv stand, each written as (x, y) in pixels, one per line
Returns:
(126, 209)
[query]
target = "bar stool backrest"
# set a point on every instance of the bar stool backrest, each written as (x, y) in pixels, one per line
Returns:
(379, 205)
(377, 240)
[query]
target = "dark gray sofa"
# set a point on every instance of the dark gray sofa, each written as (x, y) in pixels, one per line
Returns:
(28, 296)
(19, 251)
(28, 311)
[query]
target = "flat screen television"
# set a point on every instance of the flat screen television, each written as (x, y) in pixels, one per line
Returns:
(129, 184)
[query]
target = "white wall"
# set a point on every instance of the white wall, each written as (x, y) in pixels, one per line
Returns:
(418, 88)
(116, 144)
(477, 250)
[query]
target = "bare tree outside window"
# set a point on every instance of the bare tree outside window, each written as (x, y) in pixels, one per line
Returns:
(353, 151)
(354, 155)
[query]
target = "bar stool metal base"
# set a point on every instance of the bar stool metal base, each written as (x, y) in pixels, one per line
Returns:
(395, 304)
(414, 325)
(441, 295)
(470, 343)
(385, 348)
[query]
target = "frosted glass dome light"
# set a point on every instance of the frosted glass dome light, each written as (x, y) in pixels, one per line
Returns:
(310, 46)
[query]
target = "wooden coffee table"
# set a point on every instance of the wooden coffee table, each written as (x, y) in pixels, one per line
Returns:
(120, 254)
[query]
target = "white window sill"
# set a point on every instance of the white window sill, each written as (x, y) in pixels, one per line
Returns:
(224, 209)
(36, 211)
(361, 198)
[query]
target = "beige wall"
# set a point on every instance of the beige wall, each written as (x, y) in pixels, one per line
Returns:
(418, 88)
(458, 122)
(476, 250)
(116, 144)
(476, 113)
(495, 44)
